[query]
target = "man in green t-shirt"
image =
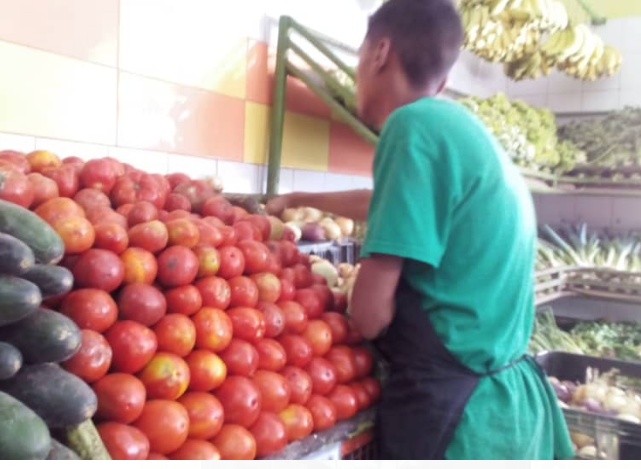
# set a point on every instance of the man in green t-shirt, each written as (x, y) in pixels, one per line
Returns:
(445, 286)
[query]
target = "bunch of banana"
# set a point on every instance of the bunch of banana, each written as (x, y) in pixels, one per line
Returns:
(531, 66)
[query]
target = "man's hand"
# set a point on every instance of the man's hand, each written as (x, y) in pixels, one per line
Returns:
(278, 205)
(350, 204)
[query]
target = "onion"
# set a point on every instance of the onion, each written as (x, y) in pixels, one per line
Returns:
(311, 215)
(292, 214)
(581, 440)
(293, 226)
(345, 270)
(616, 401)
(570, 386)
(277, 228)
(588, 452)
(332, 230)
(562, 392)
(346, 225)
(313, 232)
(593, 405)
(327, 270)
(595, 391)
(216, 183)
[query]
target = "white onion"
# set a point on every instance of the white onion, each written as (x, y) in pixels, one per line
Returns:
(295, 229)
(346, 225)
(292, 214)
(327, 270)
(332, 230)
(311, 215)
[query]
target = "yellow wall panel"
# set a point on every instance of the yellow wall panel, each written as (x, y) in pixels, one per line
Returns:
(306, 142)
(53, 96)
(257, 121)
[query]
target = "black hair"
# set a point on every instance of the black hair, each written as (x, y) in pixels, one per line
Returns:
(426, 35)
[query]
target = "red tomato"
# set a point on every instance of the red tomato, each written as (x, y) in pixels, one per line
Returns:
(274, 390)
(325, 295)
(363, 398)
(177, 202)
(104, 214)
(287, 290)
(300, 384)
(16, 159)
(340, 301)
(133, 346)
(274, 319)
(124, 442)
(100, 269)
(343, 360)
(215, 292)
(248, 323)
(373, 388)
(125, 210)
(90, 198)
(363, 361)
(240, 357)
(74, 161)
(241, 400)
(142, 303)
(98, 174)
(177, 178)
(59, 208)
(92, 360)
(206, 414)
(271, 355)
(196, 450)
(176, 334)
(219, 207)
(66, 178)
(298, 421)
(302, 276)
(197, 192)
(229, 237)
(208, 260)
(319, 280)
(207, 370)
(177, 266)
(323, 412)
(138, 186)
(156, 457)
(239, 214)
(151, 236)
(90, 309)
(274, 266)
(256, 256)
(213, 329)
(244, 292)
(111, 237)
(232, 262)
(166, 376)
(209, 235)
(319, 334)
(142, 212)
(183, 300)
(298, 349)
(77, 234)
(44, 188)
(262, 223)
(235, 443)
(344, 399)
(353, 336)
(268, 287)
(183, 232)
(41, 159)
(246, 231)
(288, 253)
(166, 424)
(121, 397)
(338, 324)
(140, 266)
(323, 375)
(270, 434)
(295, 317)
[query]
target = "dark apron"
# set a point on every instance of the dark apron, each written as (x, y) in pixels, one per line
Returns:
(427, 390)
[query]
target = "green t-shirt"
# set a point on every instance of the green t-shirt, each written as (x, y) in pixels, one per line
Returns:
(447, 199)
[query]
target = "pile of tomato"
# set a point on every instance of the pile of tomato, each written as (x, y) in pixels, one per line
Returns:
(205, 334)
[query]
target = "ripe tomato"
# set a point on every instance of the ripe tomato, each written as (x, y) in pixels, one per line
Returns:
(232, 262)
(141, 212)
(298, 421)
(319, 334)
(274, 266)
(151, 236)
(176, 334)
(338, 324)
(74, 161)
(156, 457)
(235, 443)
(183, 232)
(183, 300)
(98, 174)
(274, 390)
(344, 399)
(177, 178)
(66, 178)
(325, 295)
(363, 361)
(271, 355)
(274, 319)
(287, 290)
(288, 253)
(124, 442)
(208, 260)
(323, 375)
(319, 280)
(92, 360)
(177, 202)
(196, 450)
(295, 317)
(125, 210)
(77, 234)
(343, 360)
(298, 349)
(244, 292)
(219, 207)
(238, 215)
(300, 384)
(213, 329)
(302, 276)
(207, 370)
(111, 237)
(44, 188)
(16, 159)
(215, 292)
(104, 214)
(166, 424)
(262, 223)
(166, 376)
(197, 192)
(268, 287)
(59, 208)
(209, 235)
(90, 309)
(100, 269)
(133, 346)
(139, 186)
(177, 266)
(373, 388)
(241, 400)
(90, 198)
(206, 414)
(353, 336)
(363, 398)
(41, 159)
(140, 266)
(323, 412)
(240, 357)
(121, 397)
(340, 301)
(246, 231)
(142, 303)
(270, 434)
(229, 237)
(256, 256)
(248, 323)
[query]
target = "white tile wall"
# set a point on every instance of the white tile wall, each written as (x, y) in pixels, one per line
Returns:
(599, 101)
(565, 102)
(64, 148)
(242, 178)
(309, 181)
(626, 214)
(192, 166)
(150, 161)
(15, 142)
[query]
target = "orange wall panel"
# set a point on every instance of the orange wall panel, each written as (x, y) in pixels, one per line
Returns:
(348, 152)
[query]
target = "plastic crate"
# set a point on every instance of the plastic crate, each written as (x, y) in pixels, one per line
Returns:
(360, 448)
(327, 453)
(334, 252)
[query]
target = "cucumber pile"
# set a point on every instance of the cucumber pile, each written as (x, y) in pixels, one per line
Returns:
(45, 412)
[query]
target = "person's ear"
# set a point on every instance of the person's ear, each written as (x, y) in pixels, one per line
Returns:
(382, 52)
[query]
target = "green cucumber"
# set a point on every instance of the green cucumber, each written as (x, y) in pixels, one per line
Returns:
(43, 337)
(23, 435)
(60, 452)
(61, 399)
(85, 440)
(10, 360)
(18, 299)
(28, 227)
(15, 256)
(52, 280)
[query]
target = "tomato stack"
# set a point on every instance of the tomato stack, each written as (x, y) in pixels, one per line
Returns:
(205, 334)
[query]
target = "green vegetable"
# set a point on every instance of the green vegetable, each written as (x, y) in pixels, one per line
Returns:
(85, 440)
(60, 452)
(52, 280)
(23, 435)
(15, 256)
(18, 299)
(10, 360)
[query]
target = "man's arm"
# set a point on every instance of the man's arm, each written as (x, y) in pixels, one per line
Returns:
(350, 204)
(372, 307)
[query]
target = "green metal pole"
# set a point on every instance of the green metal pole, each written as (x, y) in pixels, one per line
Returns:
(278, 107)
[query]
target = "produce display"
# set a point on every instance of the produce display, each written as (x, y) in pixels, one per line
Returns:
(310, 224)
(194, 329)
